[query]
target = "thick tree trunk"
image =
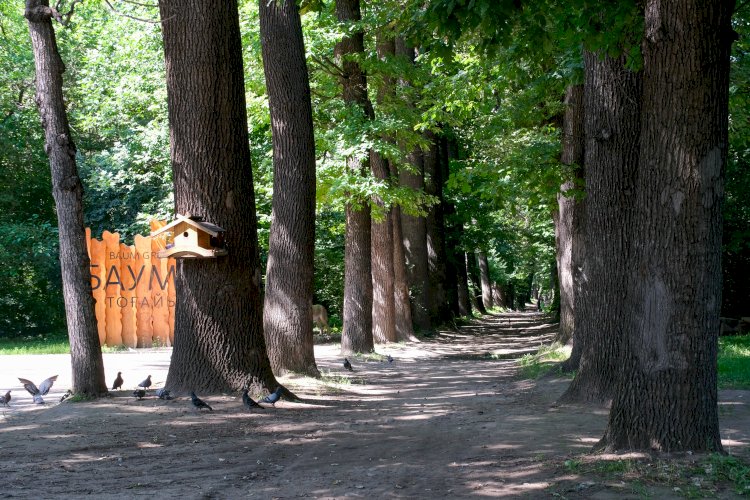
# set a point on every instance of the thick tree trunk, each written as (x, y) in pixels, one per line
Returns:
(612, 106)
(67, 190)
(437, 259)
(287, 312)
(484, 276)
(464, 297)
(219, 344)
(666, 398)
(414, 229)
(383, 279)
(383, 293)
(567, 221)
(475, 285)
(357, 334)
(452, 241)
(404, 325)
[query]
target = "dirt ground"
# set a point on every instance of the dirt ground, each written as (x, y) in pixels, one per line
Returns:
(448, 418)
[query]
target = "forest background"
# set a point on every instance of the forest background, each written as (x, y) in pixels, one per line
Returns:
(499, 104)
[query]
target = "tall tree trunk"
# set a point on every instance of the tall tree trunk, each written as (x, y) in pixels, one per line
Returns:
(67, 190)
(475, 288)
(452, 240)
(568, 216)
(357, 335)
(666, 397)
(383, 292)
(287, 312)
(219, 344)
(484, 276)
(612, 107)
(414, 229)
(404, 325)
(464, 296)
(439, 308)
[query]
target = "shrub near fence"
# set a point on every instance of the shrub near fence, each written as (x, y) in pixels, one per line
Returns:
(133, 289)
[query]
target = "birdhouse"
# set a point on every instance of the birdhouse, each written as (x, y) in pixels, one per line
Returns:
(189, 237)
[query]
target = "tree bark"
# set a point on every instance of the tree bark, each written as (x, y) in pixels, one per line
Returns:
(357, 334)
(475, 288)
(67, 190)
(414, 229)
(287, 311)
(612, 96)
(666, 398)
(452, 241)
(437, 256)
(567, 221)
(464, 297)
(484, 276)
(383, 291)
(404, 325)
(219, 344)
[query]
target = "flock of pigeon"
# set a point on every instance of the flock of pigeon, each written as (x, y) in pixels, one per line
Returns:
(163, 393)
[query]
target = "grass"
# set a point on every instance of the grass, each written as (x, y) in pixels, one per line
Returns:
(734, 362)
(689, 477)
(43, 344)
(534, 366)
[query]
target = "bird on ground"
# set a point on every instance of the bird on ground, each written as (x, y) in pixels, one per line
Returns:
(65, 396)
(348, 365)
(273, 397)
(118, 382)
(146, 383)
(38, 392)
(389, 358)
(139, 394)
(4, 400)
(163, 393)
(199, 403)
(248, 401)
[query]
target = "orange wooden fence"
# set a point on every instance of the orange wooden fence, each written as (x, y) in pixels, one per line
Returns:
(133, 289)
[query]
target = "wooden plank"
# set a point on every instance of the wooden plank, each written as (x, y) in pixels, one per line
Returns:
(113, 313)
(129, 273)
(98, 281)
(158, 283)
(144, 328)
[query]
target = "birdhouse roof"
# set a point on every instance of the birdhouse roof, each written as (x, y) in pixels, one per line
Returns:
(207, 227)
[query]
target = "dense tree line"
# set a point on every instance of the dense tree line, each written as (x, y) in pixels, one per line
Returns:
(402, 163)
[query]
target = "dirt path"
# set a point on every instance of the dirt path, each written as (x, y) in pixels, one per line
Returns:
(448, 418)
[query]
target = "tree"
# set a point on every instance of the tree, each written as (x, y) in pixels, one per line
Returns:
(357, 334)
(666, 395)
(484, 277)
(568, 223)
(612, 109)
(67, 190)
(219, 344)
(287, 316)
(383, 277)
(413, 228)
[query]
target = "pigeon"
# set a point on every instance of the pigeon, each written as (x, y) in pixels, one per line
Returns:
(273, 397)
(248, 401)
(389, 358)
(199, 403)
(65, 396)
(42, 390)
(146, 383)
(118, 382)
(163, 394)
(139, 394)
(348, 365)
(4, 400)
